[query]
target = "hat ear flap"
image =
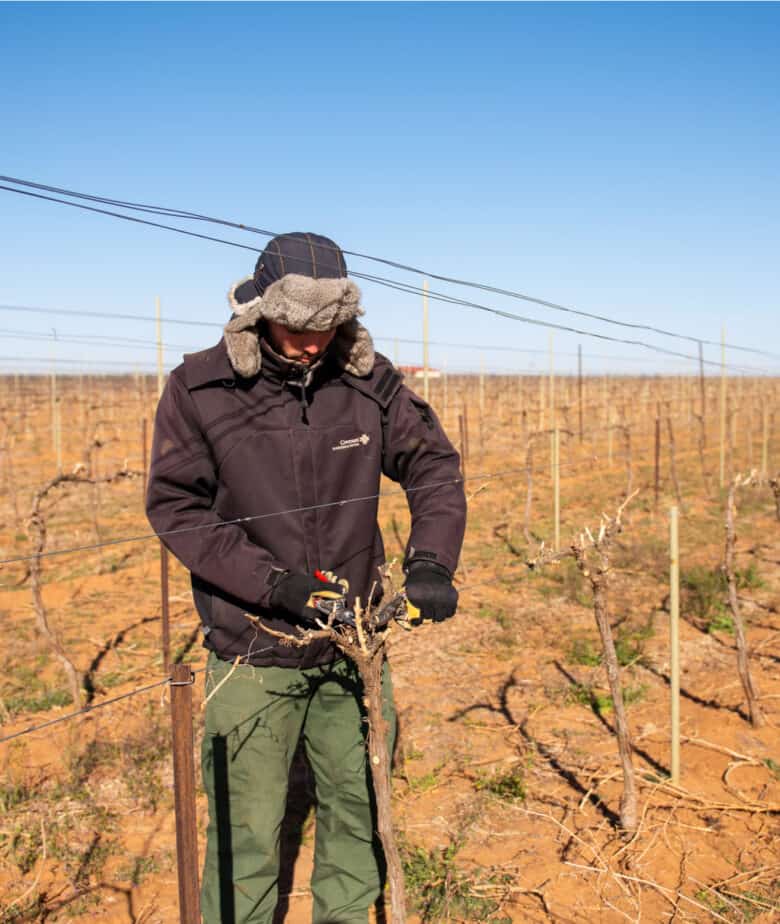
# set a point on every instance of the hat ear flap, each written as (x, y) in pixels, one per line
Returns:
(354, 348)
(243, 341)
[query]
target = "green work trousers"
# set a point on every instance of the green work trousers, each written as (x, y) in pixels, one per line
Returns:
(254, 720)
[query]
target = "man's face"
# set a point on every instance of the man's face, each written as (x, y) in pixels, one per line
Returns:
(305, 347)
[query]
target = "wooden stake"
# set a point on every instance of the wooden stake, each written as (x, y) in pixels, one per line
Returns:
(82, 401)
(462, 427)
(765, 443)
(58, 434)
(54, 429)
(144, 454)
(579, 385)
(674, 641)
(657, 485)
(482, 386)
(184, 793)
(553, 415)
(552, 383)
(557, 486)
(160, 375)
(165, 610)
(673, 465)
(425, 341)
(722, 406)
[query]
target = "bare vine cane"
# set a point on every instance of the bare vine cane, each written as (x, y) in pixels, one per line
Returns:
(598, 571)
(37, 529)
(364, 644)
(756, 713)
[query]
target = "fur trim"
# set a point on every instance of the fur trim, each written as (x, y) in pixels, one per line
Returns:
(300, 303)
(354, 348)
(241, 307)
(243, 342)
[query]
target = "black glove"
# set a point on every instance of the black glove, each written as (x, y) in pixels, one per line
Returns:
(293, 593)
(429, 588)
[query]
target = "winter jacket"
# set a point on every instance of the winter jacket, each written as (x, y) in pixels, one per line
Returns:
(254, 476)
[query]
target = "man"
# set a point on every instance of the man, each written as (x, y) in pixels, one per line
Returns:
(268, 452)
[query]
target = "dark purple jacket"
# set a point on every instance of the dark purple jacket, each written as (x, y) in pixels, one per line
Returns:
(253, 476)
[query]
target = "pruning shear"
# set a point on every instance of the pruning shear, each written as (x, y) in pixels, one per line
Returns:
(334, 608)
(398, 608)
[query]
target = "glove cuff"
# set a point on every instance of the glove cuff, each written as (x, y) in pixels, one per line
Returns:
(418, 565)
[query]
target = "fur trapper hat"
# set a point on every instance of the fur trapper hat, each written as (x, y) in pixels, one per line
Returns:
(300, 281)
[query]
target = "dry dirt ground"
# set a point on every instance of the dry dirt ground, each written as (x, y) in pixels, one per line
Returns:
(507, 781)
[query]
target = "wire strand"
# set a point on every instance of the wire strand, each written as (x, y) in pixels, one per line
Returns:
(263, 516)
(87, 709)
(31, 729)
(88, 339)
(403, 287)
(510, 293)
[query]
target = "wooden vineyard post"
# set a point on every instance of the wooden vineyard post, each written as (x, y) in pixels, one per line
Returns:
(182, 679)
(673, 465)
(657, 480)
(462, 428)
(765, 443)
(553, 416)
(579, 387)
(557, 486)
(144, 455)
(53, 401)
(56, 429)
(160, 374)
(82, 402)
(722, 406)
(426, 377)
(165, 610)
(481, 415)
(674, 641)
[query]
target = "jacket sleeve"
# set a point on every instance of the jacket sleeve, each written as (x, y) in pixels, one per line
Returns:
(417, 454)
(180, 496)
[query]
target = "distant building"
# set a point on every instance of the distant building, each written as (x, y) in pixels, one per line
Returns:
(418, 372)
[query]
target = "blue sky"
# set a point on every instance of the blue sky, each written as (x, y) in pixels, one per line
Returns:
(619, 158)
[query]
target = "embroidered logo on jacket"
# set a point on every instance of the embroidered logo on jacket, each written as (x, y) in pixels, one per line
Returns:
(363, 440)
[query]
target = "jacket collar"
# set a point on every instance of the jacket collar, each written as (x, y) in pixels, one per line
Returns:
(211, 365)
(352, 346)
(277, 368)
